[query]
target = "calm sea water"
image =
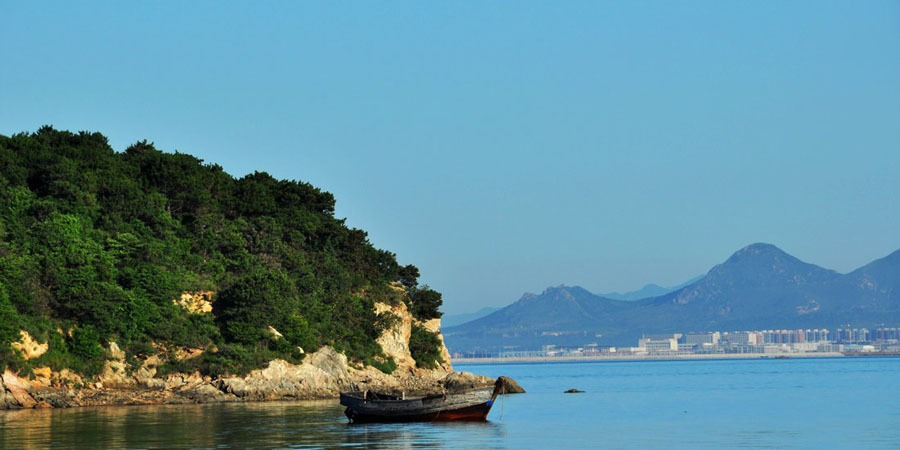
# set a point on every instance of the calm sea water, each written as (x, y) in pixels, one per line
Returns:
(816, 403)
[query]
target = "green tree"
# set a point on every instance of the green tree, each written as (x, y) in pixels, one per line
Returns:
(257, 300)
(425, 347)
(10, 324)
(409, 276)
(425, 303)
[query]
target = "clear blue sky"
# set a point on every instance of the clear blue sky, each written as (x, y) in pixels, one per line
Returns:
(506, 146)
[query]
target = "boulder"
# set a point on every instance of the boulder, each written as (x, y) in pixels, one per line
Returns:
(235, 386)
(274, 333)
(18, 389)
(42, 377)
(332, 363)
(115, 375)
(206, 393)
(510, 386)
(7, 401)
(115, 352)
(322, 374)
(457, 381)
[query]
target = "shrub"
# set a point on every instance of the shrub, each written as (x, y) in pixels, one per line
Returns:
(425, 347)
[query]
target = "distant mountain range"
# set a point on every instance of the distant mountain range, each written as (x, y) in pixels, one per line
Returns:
(452, 320)
(758, 287)
(649, 290)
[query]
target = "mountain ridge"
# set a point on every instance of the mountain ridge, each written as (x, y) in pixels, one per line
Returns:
(759, 286)
(648, 290)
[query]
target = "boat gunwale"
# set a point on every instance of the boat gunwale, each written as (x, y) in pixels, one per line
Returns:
(359, 395)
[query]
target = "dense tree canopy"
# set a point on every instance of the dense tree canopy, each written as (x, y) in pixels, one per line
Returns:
(100, 243)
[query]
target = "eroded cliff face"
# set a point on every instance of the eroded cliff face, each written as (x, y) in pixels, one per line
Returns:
(434, 326)
(395, 340)
(322, 374)
(29, 347)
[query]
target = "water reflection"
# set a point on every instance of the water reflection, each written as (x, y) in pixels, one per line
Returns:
(237, 425)
(428, 435)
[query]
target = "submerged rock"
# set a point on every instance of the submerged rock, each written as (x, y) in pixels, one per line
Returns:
(572, 391)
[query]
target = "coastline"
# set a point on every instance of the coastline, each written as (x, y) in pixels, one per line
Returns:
(322, 374)
(322, 378)
(620, 358)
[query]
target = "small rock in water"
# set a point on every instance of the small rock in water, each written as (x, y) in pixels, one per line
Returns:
(573, 391)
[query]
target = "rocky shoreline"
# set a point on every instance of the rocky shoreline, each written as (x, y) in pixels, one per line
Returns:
(322, 375)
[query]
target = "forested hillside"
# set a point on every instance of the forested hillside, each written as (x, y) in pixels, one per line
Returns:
(97, 245)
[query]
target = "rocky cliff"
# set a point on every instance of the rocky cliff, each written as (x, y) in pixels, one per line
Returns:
(322, 374)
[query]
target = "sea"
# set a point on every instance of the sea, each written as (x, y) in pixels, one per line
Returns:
(839, 403)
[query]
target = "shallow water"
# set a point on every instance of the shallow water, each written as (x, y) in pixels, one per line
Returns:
(794, 403)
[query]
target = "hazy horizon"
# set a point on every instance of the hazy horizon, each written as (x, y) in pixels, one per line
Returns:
(504, 150)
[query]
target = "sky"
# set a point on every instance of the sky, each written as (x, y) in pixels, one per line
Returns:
(504, 147)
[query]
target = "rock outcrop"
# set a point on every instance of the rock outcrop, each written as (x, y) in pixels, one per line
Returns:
(322, 374)
(18, 390)
(196, 302)
(465, 380)
(395, 340)
(510, 386)
(434, 326)
(29, 347)
(115, 370)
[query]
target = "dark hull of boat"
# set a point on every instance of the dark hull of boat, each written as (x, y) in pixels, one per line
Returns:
(476, 413)
(466, 405)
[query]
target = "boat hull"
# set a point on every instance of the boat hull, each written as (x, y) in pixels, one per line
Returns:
(475, 413)
(471, 405)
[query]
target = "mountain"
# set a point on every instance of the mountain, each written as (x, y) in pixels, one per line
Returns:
(649, 290)
(451, 320)
(758, 287)
(560, 315)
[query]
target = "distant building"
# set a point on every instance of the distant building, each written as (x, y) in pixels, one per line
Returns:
(887, 334)
(657, 343)
(743, 337)
(816, 335)
(702, 338)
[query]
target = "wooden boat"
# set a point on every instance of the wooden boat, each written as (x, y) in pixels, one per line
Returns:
(466, 405)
